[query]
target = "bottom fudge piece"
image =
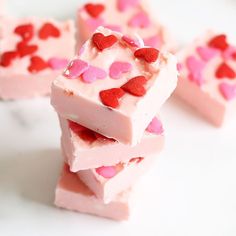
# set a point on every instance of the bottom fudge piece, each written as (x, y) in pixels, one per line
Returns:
(108, 181)
(73, 195)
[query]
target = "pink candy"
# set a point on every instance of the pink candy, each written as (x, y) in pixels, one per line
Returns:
(75, 69)
(118, 68)
(106, 171)
(93, 73)
(228, 91)
(155, 127)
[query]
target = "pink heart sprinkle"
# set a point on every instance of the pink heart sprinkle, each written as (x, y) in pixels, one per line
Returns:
(118, 68)
(106, 171)
(196, 78)
(123, 5)
(228, 53)
(93, 23)
(131, 42)
(154, 41)
(57, 63)
(140, 20)
(207, 53)
(155, 127)
(93, 73)
(75, 69)
(228, 91)
(194, 65)
(116, 28)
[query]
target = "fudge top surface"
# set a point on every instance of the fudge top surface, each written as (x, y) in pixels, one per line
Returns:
(210, 63)
(96, 70)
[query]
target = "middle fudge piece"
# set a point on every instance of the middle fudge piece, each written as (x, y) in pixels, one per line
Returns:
(113, 87)
(84, 148)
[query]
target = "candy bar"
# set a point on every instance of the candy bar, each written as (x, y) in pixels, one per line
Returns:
(131, 17)
(73, 195)
(208, 77)
(33, 52)
(84, 148)
(113, 87)
(108, 181)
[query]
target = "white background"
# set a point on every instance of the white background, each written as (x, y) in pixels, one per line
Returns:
(190, 191)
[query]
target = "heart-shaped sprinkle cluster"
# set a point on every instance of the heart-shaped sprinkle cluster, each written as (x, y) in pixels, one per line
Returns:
(155, 127)
(102, 42)
(219, 42)
(24, 48)
(94, 10)
(149, 55)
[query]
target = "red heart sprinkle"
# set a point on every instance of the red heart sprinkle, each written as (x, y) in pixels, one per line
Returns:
(102, 42)
(225, 71)
(24, 49)
(37, 64)
(137, 160)
(148, 54)
(110, 97)
(94, 10)
(49, 30)
(135, 86)
(7, 58)
(219, 42)
(25, 31)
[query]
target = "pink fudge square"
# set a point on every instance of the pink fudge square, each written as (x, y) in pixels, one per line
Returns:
(208, 77)
(84, 148)
(34, 52)
(108, 181)
(72, 194)
(131, 17)
(117, 90)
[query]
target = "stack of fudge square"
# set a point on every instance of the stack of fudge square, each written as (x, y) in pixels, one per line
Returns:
(107, 100)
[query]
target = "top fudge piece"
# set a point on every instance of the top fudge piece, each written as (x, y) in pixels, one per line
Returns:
(208, 76)
(113, 87)
(127, 16)
(33, 52)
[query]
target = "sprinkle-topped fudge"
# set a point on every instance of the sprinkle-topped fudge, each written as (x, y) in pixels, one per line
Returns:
(72, 194)
(127, 16)
(114, 87)
(33, 52)
(208, 76)
(84, 148)
(108, 181)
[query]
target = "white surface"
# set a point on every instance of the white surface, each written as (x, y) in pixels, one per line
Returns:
(190, 191)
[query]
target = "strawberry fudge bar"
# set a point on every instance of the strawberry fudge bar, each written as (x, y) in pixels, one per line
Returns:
(114, 87)
(33, 52)
(208, 77)
(127, 16)
(108, 181)
(84, 148)
(72, 194)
